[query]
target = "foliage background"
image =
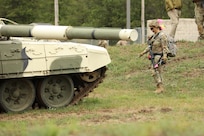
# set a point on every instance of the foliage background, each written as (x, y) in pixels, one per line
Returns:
(96, 13)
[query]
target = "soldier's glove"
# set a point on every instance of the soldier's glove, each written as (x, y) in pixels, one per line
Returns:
(141, 54)
(164, 59)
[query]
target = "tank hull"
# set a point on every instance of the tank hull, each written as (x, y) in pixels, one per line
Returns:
(22, 59)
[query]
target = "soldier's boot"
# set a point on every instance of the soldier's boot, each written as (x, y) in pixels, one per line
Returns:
(159, 89)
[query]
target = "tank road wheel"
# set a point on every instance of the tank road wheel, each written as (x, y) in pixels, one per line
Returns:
(56, 91)
(16, 95)
(91, 76)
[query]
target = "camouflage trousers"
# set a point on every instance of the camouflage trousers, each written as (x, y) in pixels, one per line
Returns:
(157, 72)
(199, 18)
(174, 17)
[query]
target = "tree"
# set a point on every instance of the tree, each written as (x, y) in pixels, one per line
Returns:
(18, 10)
(73, 12)
(44, 11)
(96, 13)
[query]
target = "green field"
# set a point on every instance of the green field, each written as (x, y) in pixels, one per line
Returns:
(124, 104)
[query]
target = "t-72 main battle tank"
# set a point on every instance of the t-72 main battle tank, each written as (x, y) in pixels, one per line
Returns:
(48, 71)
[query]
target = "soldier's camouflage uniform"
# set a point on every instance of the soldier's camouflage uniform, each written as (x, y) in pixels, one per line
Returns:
(199, 17)
(159, 46)
(103, 43)
(173, 8)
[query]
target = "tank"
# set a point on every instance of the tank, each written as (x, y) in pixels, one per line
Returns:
(40, 67)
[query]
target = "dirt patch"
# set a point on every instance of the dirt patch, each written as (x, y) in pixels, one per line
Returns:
(194, 73)
(95, 117)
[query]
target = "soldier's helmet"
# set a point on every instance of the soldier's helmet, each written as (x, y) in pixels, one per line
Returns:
(155, 23)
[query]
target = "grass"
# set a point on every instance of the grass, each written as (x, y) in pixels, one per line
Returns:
(124, 104)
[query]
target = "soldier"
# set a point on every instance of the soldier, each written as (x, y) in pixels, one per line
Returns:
(173, 8)
(103, 43)
(199, 17)
(158, 50)
(122, 42)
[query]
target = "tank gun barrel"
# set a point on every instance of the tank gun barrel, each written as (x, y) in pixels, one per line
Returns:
(67, 32)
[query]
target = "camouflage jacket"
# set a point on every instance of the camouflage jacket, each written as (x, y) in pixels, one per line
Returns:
(173, 4)
(158, 43)
(199, 5)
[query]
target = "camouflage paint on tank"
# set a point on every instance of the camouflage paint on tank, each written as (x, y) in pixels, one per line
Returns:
(30, 58)
(25, 58)
(11, 59)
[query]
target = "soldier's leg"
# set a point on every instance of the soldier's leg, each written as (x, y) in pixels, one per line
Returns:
(174, 17)
(199, 19)
(157, 71)
(158, 79)
(157, 75)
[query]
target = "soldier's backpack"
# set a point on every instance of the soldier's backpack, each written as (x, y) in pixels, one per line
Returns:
(171, 46)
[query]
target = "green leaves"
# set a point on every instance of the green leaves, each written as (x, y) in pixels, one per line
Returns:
(96, 13)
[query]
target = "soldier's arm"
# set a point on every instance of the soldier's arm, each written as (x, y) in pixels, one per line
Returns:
(164, 45)
(145, 51)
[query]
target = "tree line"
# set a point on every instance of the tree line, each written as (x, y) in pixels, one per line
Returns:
(95, 13)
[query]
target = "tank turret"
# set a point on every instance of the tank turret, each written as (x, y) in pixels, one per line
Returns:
(51, 73)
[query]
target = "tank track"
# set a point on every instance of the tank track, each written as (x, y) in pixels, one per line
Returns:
(82, 89)
(86, 88)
